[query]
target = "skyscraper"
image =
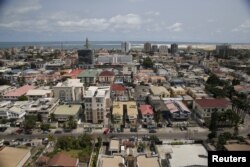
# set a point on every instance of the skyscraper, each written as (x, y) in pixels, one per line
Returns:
(174, 48)
(125, 46)
(86, 56)
(163, 49)
(154, 48)
(147, 47)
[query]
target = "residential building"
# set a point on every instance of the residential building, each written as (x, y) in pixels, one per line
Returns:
(85, 58)
(154, 48)
(141, 94)
(205, 107)
(125, 47)
(117, 114)
(5, 89)
(163, 49)
(129, 69)
(147, 47)
(63, 160)
(97, 104)
(14, 157)
(13, 110)
(147, 115)
(132, 113)
(157, 79)
(115, 59)
(16, 93)
(160, 91)
(106, 77)
(177, 110)
(223, 50)
(35, 94)
(174, 48)
(55, 64)
(118, 92)
(70, 90)
(108, 161)
(114, 146)
(177, 91)
(64, 112)
(145, 161)
(88, 77)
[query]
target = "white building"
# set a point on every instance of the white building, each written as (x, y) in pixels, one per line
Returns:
(163, 49)
(70, 90)
(35, 94)
(10, 110)
(97, 104)
(125, 47)
(115, 59)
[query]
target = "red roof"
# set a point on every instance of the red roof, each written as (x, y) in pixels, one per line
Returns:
(75, 72)
(146, 109)
(117, 87)
(107, 73)
(63, 160)
(20, 91)
(213, 103)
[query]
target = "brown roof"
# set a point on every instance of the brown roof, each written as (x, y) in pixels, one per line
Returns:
(43, 159)
(213, 103)
(116, 87)
(63, 160)
(237, 147)
(107, 73)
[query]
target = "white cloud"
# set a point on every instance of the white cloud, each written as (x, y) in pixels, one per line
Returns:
(152, 13)
(24, 7)
(244, 27)
(176, 27)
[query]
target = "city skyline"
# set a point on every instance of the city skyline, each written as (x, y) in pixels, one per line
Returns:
(128, 20)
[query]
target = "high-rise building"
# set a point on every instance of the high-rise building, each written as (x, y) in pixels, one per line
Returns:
(174, 48)
(154, 48)
(85, 57)
(147, 47)
(163, 49)
(125, 46)
(223, 50)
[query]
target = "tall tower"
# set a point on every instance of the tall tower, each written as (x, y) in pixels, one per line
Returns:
(87, 43)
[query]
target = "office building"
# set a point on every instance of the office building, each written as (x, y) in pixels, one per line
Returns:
(147, 47)
(174, 48)
(154, 48)
(223, 50)
(125, 47)
(85, 58)
(163, 49)
(115, 59)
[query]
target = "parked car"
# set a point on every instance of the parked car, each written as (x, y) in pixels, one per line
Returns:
(58, 132)
(106, 131)
(152, 131)
(169, 125)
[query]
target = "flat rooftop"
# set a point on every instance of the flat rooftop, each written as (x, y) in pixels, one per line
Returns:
(11, 157)
(67, 110)
(143, 161)
(111, 161)
(184, 155)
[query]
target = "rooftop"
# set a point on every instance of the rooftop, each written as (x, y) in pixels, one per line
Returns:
(144, 161)
(11, 157)
(213, 103)
(114, 145)
(113, 161)
(67, 109)
(20, 91)
(38, 92)
(70, 83)
(117, 108)
(157, 90)
(146, 109)
(62, 159)
(107, 73)
(88, 73)
(3, 87)
(117, 87)
(237, 147)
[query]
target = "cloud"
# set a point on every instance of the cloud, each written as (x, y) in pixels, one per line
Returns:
(24, 7)
(176, 27)
(211, 20)
(244, 27)
(152, 13)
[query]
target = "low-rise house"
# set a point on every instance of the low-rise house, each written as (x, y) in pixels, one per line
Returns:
(88, 77)
(245, 89)
(177, 91)
(35, 94)
(147, 114)
(64, 112)
(14, 157)
(13, 110)
(205, 107)
(129, 69)
(117, 114)
(5, 89)
(106, 77)
(177, 110)
(114, 146)
(16, 93)
(141, 94)
(108, 161)
(55, 64)
(157, 79)
(63, 160)
(160, 91)
(70, 90)
(197, 92)
(144, 161)
(118, 91)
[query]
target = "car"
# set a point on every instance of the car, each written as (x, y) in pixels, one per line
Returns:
(58, 132)
(181, 128)
(185, 128)
(106, 131)
(169, 125)
(152, 131)
(19, 131)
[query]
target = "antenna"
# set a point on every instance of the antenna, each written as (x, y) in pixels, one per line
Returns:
(87, 43)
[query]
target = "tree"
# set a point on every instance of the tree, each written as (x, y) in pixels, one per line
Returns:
(147, 63)
(213, 127)
(52, 117)
(22, 98)
(222, 139)
(45, 127)
(29, 122)
(235, 82)
(4, 82)
(72, 123)
(213, 80)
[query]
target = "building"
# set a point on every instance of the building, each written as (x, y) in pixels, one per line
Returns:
(63, 160)
(118, 92)
(64, 112)
(16, 93)
(160, 91)
(35, 94)
(107, 77)
(129, 69)
(13, 110)
(88, 77)
(177, 110)
(151, 161)
(114, 146)
(97, 104)
(147, 115)
(5, 89)
(132, 113)
(117, 114)
(108, 161)
(223, 50)
(115, 59)
(147, 47)
(205, 107)
(163, 49)
(14, 157)
(177, 91)
(125, 47)
(85, 58)
(55, 64)
(174, 48)
(154, 48)
(70, 90)
(141, 94)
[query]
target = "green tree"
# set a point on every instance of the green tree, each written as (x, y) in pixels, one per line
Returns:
(22, 98)
(72, 123)
(45, 127)
(235, 82)
(147, 63)
(29, 122)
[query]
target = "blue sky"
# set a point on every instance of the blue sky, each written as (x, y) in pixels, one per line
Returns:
(131, 20)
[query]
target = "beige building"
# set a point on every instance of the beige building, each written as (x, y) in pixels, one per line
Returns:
(69, 91)
(106, 77)
(64, 112)
(109, 161)
(118, 112)
(177, 91)
(144, 161)
(97, 104)
(160, 91)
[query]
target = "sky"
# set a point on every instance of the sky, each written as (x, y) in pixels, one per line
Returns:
(226, 21)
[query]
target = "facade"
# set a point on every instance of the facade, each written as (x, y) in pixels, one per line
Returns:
(174, 48)
(205, 107)
(117, 90)
(163, 49)
(106, 77)
(154, 48)
(147, 47)
(70, 90)
(129, 69)
(64, 112)
(160, 91)
(223, 50)
(117, 113)
(16, 93)
(177, 91)
(35, 94)
(88, 77)
(55, 64)
(125, 47)
(97, 104)
(13, 110)
(115, 59)
(147, 114)
(85, 58)
(177, 110)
